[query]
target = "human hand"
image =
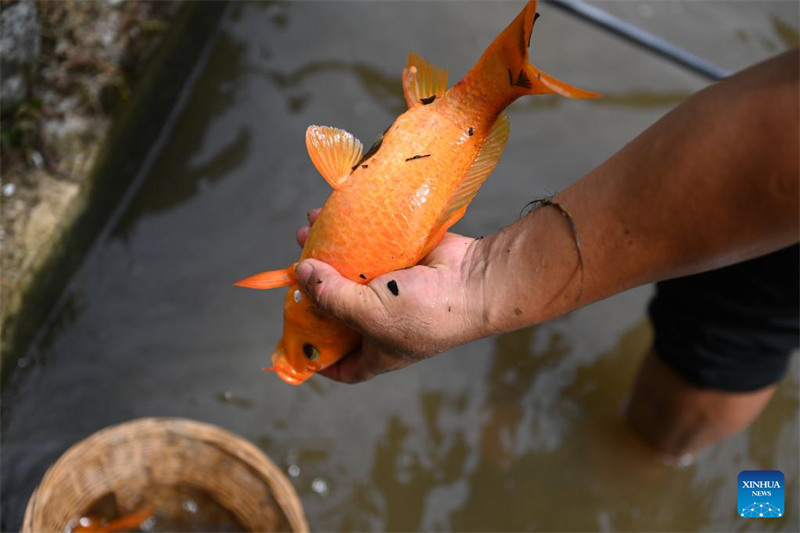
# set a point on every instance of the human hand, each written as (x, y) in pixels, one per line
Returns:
(404, 316)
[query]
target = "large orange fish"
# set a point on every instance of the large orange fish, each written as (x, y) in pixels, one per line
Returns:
(391, 206)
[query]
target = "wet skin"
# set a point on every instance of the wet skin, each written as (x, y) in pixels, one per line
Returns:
(636, 221)
(410, 340)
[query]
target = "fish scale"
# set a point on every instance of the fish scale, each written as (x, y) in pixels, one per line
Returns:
(391, 206)
(388, 186)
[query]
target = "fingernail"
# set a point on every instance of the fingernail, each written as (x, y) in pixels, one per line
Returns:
(303, 272)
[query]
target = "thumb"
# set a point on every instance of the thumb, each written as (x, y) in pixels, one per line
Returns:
(338, 296)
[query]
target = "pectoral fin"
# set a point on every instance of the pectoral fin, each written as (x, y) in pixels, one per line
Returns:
(269, 280)
(334, 153)
(485, 161)
(422, 82)
(483, 165)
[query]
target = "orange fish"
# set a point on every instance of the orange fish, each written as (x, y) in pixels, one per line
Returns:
(91, 524)
(391, 206)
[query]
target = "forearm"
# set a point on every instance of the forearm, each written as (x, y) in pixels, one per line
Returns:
(712, 183)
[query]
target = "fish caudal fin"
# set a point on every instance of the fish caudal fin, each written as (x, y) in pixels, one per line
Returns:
(269, 280)
(506, 62)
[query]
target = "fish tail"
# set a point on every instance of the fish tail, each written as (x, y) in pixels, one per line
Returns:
(506, 63)
(269, 280)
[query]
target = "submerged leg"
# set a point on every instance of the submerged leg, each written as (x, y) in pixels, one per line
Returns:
(723, 340)
(678, 418)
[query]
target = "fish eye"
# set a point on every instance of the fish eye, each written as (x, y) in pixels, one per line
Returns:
(310, 351)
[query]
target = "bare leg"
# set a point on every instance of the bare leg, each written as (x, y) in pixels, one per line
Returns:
(678, 418)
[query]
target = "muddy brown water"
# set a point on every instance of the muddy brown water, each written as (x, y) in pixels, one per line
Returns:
(516, 432)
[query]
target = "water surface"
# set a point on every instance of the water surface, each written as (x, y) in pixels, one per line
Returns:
(517, 432)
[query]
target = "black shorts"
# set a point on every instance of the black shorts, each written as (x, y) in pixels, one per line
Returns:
(731, 329)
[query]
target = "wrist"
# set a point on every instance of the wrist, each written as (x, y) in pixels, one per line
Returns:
(475, 275)
(530, 272)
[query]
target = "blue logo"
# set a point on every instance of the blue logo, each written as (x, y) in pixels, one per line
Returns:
(760, 494)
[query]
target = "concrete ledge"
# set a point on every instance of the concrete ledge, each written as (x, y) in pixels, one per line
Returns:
(127, 145)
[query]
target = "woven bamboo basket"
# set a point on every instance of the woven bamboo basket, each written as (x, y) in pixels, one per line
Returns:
(127, 458)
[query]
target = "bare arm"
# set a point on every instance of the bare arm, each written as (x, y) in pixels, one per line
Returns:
(714, 182)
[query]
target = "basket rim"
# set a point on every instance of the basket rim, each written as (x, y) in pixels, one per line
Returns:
(237, 446)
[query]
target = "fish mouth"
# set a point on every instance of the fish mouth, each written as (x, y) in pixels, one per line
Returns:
(287, 372)
(292, 376)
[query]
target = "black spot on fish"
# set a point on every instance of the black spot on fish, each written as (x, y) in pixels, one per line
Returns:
(539, 76)
(418, 157)
(517, 311)
(362, 276)
(523, 80)
(535, 17)
(319, 281)
(470, 132)
(510, 78)
(393, 287)
(428, 100)
(372, 149)
(364, 166)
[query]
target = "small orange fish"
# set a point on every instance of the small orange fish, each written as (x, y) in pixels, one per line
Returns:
(91, 524)
(391, 206)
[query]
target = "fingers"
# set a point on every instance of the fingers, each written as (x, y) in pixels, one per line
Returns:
(349, 369)
(359, 306)
(363, 364)
(302, 233)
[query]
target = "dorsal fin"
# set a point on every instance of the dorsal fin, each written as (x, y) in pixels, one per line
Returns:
(422, 82)
(483, 165)
(334, 152)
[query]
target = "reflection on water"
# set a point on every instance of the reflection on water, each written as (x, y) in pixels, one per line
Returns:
(175, 179)
(386, 90)
(643, 99)
(635, 99)
(71, 307)
(228, 397)
(571, 432)
(383, 88)
(786, 33)
(574, 453)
